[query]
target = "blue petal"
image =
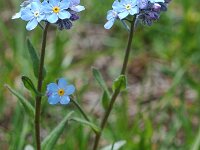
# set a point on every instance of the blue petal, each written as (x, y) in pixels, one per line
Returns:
(54, 2)
(134, 10)
(17, 15)
(64, 14)
(64, 4)
(111, 14)
(117, 6)
(109, 24)
(74, 2)
(52, 18)
(155, 1)
(35, 6)
(32, 24)
(53, 99)
(123, 15)
(62, 83)
(69, 89)
(46, 7)
(142, 4)
(26, 15)
(78, 8)
(64, 100)
(52, 88)
(41, 17)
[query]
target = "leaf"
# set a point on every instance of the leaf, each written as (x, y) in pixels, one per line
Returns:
(29, 85)
(49, 142)
(105, 100)
(120, 83)
(35, 59)
(91, 125)
(196, 143)
(115, 146)
(97, 75)
(25, 103)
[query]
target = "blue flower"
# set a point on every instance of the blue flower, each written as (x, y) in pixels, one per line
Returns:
(56, 9)
(125, 7)
(59, 92)
(111, 17)
(33, 14)
(24, 5)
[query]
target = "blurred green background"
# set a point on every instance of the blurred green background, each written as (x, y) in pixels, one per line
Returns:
(160, 109)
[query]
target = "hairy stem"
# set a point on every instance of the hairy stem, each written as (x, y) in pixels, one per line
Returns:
(117, 91)
(80, 109)
(39, 88)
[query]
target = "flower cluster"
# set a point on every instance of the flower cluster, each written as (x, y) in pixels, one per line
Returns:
(59, 92)
(59, 12)
(145, 10)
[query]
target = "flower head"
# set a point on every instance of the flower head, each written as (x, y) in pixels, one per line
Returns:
(125, 7)
(33, 14)
(59, 12)
(145, 11)
(59, 93)
(24, 5)
(56, 9)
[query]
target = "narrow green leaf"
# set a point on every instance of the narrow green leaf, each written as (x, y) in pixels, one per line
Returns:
(49, 142)
(91, 125)
(119, 83)
(98, 77)
(196, 143)
(105, 100)
(35, 59)
(115, 146)
(25, 103)
(29, 85)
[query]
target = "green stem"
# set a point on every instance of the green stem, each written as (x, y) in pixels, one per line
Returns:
(39, 89)
(80, 109)
(117, 91)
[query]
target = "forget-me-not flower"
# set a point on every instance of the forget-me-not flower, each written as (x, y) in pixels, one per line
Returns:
(125, 7)
(33, 14)
(56, 9)
(25, 4)
(59, 93)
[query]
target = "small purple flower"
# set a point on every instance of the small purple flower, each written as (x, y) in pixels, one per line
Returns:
(156, 7)
(64, 24)
(59, 93)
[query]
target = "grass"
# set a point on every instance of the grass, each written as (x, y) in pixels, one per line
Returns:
(160, 109)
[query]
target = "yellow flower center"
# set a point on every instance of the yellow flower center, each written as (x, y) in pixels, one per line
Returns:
(56, 9)
(128, 6)
(36, 14)
(61, 92)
